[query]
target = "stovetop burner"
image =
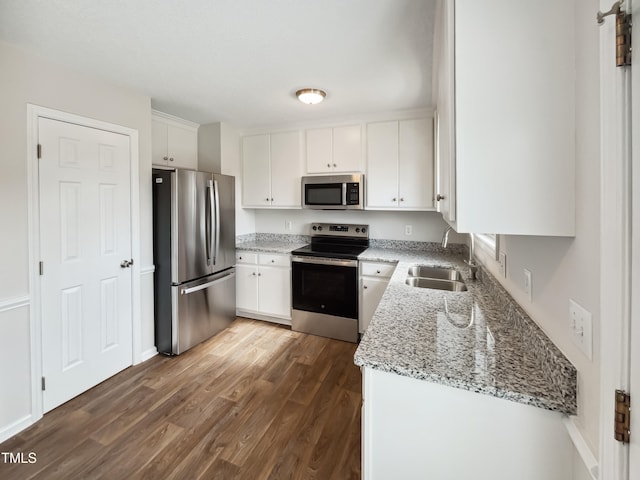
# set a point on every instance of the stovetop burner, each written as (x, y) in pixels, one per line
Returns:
(336, 241)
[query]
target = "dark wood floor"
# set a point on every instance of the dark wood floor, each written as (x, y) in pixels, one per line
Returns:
(255, 402)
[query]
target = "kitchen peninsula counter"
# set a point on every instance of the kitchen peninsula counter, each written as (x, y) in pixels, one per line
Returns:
(479, 340)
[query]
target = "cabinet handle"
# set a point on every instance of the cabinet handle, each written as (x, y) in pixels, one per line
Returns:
(401, 199)
(239, 258)
(334, 165)
(272, 199)
(165, 158)
(439, 197)
(259, 274)
(273, 261)
(328, 165)
(377, 271)
(393, 199)
(254, 274)
(365, 287)
(171, 159)
(267, 199)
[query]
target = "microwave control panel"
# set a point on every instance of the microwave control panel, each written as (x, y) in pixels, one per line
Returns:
(353, 193)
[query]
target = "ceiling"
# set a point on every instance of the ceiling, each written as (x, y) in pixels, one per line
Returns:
(240, 61)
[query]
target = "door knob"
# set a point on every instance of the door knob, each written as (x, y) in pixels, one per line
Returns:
(126, 263)
(439, 197)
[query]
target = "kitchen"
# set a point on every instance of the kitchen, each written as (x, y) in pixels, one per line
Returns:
(562, 268)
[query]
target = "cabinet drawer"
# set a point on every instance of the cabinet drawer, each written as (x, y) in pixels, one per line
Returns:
(377, 269)
(274, 259)
(243, 256)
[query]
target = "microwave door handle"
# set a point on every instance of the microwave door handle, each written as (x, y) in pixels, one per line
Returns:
(344, 194)
(216, 204)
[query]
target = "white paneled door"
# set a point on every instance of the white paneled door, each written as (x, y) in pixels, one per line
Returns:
(85, 243)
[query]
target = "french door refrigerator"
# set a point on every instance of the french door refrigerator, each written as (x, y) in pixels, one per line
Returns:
(194, 256)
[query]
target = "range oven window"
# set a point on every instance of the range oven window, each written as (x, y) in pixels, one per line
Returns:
(328, 289)
(323, 194)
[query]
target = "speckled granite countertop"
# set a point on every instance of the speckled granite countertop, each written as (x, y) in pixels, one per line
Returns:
(271, 243)
(485, 343)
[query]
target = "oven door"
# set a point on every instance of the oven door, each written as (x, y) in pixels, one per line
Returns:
(325, 285)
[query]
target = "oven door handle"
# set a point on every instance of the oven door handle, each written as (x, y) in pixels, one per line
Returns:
(325, 261)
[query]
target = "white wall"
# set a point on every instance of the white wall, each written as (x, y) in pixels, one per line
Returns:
(426, 226)
(27, 78)
(568, 268)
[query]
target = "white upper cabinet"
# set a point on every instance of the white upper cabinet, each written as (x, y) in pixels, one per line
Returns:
(337, 149)
(174, 142)
(272, 167)
(505, 121)
(400, 165)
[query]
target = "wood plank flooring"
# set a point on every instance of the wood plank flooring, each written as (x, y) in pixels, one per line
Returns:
(257, 401)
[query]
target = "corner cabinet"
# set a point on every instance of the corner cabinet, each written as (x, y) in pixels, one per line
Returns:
(505, 116)
(263, 286)
(374, 278)
(400, 165)
(337, 149)
(272, 167)
(174, 141)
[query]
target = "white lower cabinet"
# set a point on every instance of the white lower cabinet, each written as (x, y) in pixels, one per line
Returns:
(415, 429)
(263, 286)
(374, 278)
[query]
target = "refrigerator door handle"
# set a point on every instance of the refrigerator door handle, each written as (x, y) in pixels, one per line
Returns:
(209, 222)
(216, 203)
(187, 291)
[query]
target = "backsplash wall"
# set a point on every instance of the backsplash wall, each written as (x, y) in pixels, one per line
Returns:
(425, 226)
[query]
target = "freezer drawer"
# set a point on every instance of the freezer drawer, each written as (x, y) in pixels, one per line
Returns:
(202, 308)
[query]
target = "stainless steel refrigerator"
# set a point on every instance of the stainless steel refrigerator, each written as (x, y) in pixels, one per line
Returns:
(194, 256)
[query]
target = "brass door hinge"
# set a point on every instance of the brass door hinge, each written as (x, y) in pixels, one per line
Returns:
(622, 417)
(623, 32)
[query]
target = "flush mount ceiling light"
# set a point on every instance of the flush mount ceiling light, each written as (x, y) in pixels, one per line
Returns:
(311, 96)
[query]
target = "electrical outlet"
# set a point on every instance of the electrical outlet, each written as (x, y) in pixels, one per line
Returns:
(288, 224)
(408, 229)
(528, 285)
(581, 325)
(503, 264)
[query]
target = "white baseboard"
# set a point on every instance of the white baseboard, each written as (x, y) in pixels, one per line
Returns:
(147, 354)
(266, 318)
(581, 446)
(16, 427)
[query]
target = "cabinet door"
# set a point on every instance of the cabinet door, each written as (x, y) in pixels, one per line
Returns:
(382, 165)
(347, 149)
(415, 165)
(159, 135)
(247, 287)
(274, 291)
(371, 291)
(182, 147)
(256, 183)
(286, 169)
(319, 150)
(444, 116)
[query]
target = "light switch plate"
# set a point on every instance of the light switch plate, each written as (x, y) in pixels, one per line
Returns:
(408, 230)
(581, 325)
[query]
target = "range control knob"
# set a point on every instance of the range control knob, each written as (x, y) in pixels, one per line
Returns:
(357, 229)
(364, 230)
(315, 228)
(320, 228)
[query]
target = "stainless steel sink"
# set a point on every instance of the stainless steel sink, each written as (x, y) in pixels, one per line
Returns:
(426, 271)
(437, 283)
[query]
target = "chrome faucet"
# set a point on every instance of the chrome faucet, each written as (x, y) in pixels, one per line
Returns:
(473, 267)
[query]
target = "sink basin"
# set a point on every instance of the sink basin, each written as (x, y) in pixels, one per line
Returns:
(426, 271)
(437, 283)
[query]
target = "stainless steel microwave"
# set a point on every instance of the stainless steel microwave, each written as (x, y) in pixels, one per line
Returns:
(333, 192)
